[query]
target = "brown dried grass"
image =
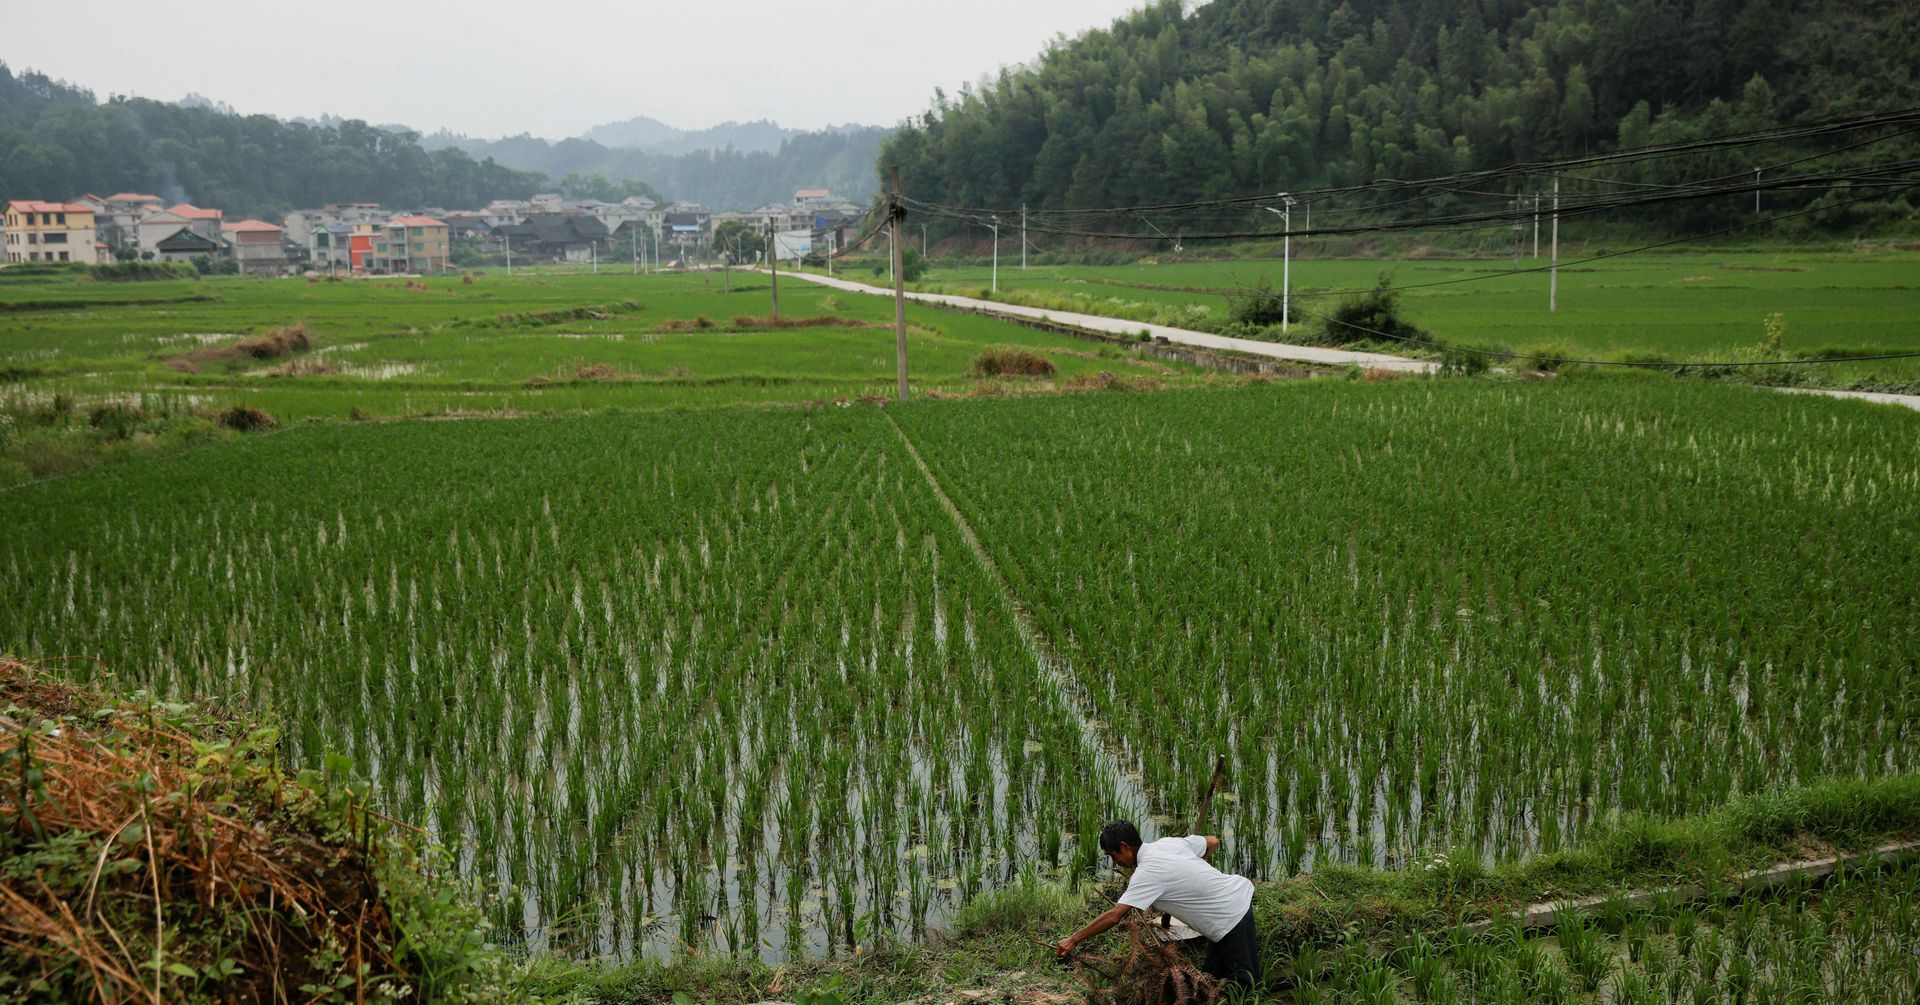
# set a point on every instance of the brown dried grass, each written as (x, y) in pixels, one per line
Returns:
(1147, 968)
(175, 847)
(1006, 362)
(283, 341)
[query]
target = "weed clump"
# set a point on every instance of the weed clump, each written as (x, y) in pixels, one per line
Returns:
(245, 418)
(1012, 363)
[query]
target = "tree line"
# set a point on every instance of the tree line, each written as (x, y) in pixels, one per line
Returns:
(57, 141)
(1242, 96)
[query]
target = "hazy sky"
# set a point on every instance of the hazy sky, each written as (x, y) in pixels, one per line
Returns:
(551, 69)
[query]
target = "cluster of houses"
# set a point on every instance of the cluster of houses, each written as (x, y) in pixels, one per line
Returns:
(362, 238)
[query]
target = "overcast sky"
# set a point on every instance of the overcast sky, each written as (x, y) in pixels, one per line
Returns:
(550, 69)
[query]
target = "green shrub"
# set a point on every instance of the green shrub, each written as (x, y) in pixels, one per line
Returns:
(1370, 316)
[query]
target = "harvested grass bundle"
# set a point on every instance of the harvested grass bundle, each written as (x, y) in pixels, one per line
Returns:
(684, 324)
(1012, 363)
(1147, 968)
(155, 852)
(283, 341)
(245, 418)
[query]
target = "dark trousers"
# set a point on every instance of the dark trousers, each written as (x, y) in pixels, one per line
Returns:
(1236, 957)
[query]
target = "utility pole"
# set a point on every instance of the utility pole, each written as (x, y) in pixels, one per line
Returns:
(509, 238)
(1536, 226)
(1023, 237)
(895, 213)
(773, 265)
(636, 251)
(1756, 191)
(1553, 275)
(923, 240)
(1286, 258)
(995, 227)
(594, 246)
(726, 268)
(1286, 266)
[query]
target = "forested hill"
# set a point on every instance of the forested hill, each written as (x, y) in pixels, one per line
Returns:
(57, 141)
(1243, 96)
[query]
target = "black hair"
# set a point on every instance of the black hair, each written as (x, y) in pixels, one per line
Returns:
(1119, 834)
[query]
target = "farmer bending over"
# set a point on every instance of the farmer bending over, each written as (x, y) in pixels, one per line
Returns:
(1171, 875)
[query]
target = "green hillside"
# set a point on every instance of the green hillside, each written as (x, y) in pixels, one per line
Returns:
(1243, 96)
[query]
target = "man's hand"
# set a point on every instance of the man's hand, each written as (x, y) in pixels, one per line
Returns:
(1064, 946)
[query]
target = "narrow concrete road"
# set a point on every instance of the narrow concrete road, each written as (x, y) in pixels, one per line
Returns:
(1274, 350)
(1116, 326)
(1904, 400)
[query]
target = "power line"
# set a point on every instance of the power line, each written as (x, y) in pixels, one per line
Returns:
(1459, 220)
(1545, 167)
(1564, 361)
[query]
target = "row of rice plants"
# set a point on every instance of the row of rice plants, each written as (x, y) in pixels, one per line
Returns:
(724, 680)
(1420, 616)
(1852, 941)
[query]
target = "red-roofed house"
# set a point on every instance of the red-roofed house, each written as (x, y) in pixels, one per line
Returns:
(418, 244)
(257, 246)
(37, 231)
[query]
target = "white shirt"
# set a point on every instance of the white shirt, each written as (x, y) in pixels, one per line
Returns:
(1171, 876)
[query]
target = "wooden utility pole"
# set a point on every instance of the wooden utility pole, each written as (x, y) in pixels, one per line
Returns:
(1553, 274)
(773, 265)
(895, 214)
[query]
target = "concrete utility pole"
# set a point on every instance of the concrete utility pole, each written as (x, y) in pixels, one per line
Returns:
(896, 213)
(594, 247)
(1536, 225)
(1023, 237)
(995, 227)
(773, 265)
(636, 251)
(1756, 191)
(1286, 259)
(1553, 275)
(509, 239)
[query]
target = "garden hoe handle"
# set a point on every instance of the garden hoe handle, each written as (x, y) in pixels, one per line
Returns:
(1200, 814)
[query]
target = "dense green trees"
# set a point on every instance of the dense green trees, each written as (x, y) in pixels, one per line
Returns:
(1241, 96)
(56, 141)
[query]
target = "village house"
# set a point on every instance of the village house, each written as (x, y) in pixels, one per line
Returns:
(37, 231)
(157, 227)
(257, 247)
(116, 218)
(558, 237)
(415, 244)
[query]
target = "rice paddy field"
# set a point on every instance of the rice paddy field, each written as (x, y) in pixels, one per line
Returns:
(1851, 942)
(529, 343)
(1677, 305)
(776, 681)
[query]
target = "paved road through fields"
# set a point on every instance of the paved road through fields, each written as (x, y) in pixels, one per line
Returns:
(1116, 326)
(1274, 350)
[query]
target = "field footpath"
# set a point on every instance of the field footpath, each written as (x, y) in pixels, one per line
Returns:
(1116, 326)
(1068, 694)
